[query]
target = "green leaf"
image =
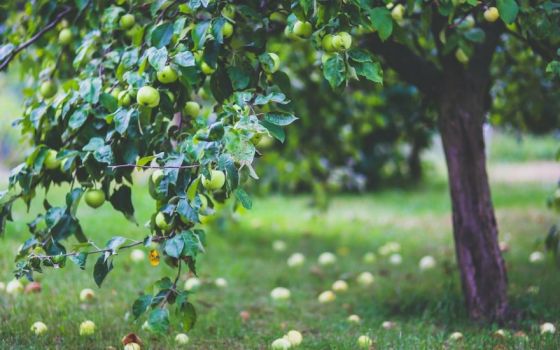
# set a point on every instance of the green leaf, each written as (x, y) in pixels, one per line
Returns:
(360, 55)
(121, 199)
(174, 246)
(275, 130)
(90, 89)
(109, 102)
(476, 35)
(79, 259)
(334, 70)
(244, 198)
(508, 10)
(186, 212)
(157, 57)
(279, 118)
(101, 270)
(370, 70)
(158, 320)
(381, 21)
(162, 34)
(140, 305)
(115, 243)
(184, 59)
(187, 316)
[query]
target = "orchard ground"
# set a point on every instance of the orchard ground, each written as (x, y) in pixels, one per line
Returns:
(426, 306)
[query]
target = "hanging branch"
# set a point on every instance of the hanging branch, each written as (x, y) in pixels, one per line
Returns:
(34, 38)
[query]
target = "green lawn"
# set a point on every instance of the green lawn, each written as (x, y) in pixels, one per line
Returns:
(426, 306)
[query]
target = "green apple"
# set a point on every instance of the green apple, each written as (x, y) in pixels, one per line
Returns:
(327, 43)
(337, 42)
(120, 2)
(461, 56)
(161, 222)
(275, 63)
(95, 198)
(216, 181)
(277, 17)
(206, 69)
(229, 11)
(127, 21)
(346, 40)
(157, 175)
(397, 12)
(303, 29)
(227, 30)
(115, 92)
(148, 96)
(167, 75)
(48, 89)
(50, 161)
(124, 99)
(204, 203)
(491, 14)
(192, 109)
(65, 36)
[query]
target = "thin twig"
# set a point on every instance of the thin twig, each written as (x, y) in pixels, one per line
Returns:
(154, 167)
(34, 38)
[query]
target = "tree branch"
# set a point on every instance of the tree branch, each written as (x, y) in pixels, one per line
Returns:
(412, 68)
(153, 167)
(34, 38)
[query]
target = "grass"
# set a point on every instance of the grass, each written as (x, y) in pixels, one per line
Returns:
(427, 306)
(507, 147)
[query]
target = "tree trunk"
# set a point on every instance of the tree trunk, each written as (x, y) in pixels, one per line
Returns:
(483, 274)
(415, 162)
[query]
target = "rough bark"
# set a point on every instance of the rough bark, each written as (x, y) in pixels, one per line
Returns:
(482, 269)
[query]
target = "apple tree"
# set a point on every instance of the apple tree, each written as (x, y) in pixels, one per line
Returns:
(186, 88)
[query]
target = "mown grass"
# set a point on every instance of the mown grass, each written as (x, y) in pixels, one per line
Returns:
(427, 306)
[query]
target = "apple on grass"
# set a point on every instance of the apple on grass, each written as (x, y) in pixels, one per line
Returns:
(39, 328)
(87, 295)
(87, 328)
(181, 339)
(132, 346)
(95, 198)
(365, 342)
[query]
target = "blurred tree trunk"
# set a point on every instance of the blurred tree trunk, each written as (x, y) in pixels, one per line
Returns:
(483, 273)
(415, 162)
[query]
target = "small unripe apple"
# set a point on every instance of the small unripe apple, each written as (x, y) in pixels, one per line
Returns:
(327, 43)
(38, 328)
(192, 109)
(161, 222)
(124, 99)
(326, 297)
(87, 328)
(50, 160)
(115, 92)
(120, 2)
(148, 96)
(48, 89)
(397, 12)
(167, 75)
(87, 295)
(206, 69)
(461, 56)
(277, 17)
(216, 181)
(95, 198)
(337, 42)
(127, 21)
(14, 287)
(275, 65)
(303, 29)
(65, 36)
(157, 175)
(346, 40)
(227, 30)
(203, 203)
(294, 337)
(137, 255)
(281, 344)
(491, 14)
